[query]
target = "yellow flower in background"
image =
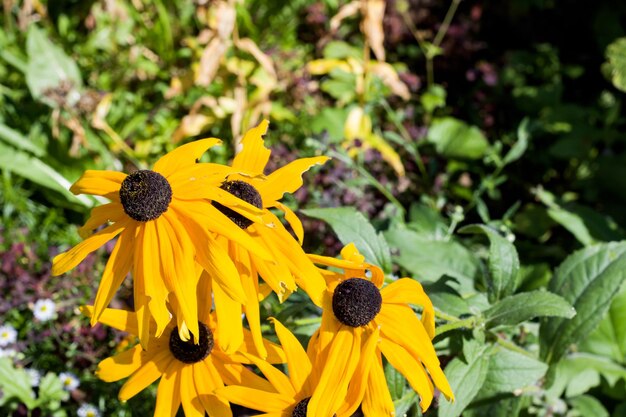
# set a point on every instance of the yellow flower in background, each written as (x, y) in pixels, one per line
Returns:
(292, 267)
(189, 372)
(357, 308)
(292, 392)
(165, 222)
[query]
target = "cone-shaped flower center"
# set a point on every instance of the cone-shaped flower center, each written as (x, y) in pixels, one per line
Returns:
(247, 193)
(301, 408)
(356, 302)
(189, 352)
(145, 195)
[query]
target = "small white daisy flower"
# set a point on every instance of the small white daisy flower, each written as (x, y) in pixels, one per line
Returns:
(34, 375)
(8, 353)
(88, 410)
(69, 380)
(45, 309)
(8, 335)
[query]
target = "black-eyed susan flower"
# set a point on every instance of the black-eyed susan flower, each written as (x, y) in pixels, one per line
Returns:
(354, 308)
(165, 223)
(189, 372)
(291, 393)
(292, 268)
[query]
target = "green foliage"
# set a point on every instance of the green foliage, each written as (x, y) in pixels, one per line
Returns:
(455, 139)
(615, 66)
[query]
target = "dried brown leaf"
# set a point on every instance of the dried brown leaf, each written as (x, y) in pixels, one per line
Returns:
(372, 26)
(248, 45)
(210, 61)
(346, 11)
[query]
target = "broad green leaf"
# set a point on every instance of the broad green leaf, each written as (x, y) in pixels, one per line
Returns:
(51, 389)
(405, 403)
(330, 121)
(18, 140)
(428, 259)
(466, 379)
(609, 339)
(615, 66)
(586, 405)
(433, 98)
(38, 172)
(503, 262)
(352, 227)
(427, 221)
(395, 382)
(49, 68)
(15, 383)
(588, 279)
(580, 372)
(518, 149)
(511, 372)
(525, 306)
(455, 139)
(501, 407)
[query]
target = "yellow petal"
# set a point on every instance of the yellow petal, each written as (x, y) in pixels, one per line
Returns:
(293, 220)
(275, 354)
(229, 332)
(297, 359)
(183, 156)
(412, 370)
(188, 395)
(68, 260)
(139, 292)
(254, 155)
(358, 125)
(287, 179)
(111, 212)
(104, 183)
(120, 319)
(409, 291)
(205, 289)
(236, 374)
(387, 152)
(205, 387)
(191, 182)
(377, 400)
(256, 399)
(115, 272)
(153, 366)
(324, 66)
(168, 394)
(121, 365)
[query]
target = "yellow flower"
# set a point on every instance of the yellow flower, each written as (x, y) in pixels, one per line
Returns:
(355, 309)
(165, 223)
(292, 393)
(189, 372)
(293, 268)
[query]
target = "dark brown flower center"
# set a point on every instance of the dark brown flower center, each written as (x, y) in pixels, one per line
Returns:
(247, 193)
(189, 352)
(145, 195)
(302, 407)
(356, 302)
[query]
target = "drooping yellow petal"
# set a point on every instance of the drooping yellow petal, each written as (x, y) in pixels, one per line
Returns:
(111, 212)
(339, 368)
(121, 365)
(68, 260)
(104, 183)
(190, 182)
(229, 332)
(205, 289)
(275, 354)
(377, 400)
(236, 374)
(204, 384)
(119, 319)
(188, 395)
(297, 359)
(287, 179)
(279, 381)
(168, 393)
(409, 291)
(256, 399)
(140, 298)
(154, 364)
(293, 220)
(277, 275)
(115, 272)
(412, 370)
(183, 156)
(254, 155)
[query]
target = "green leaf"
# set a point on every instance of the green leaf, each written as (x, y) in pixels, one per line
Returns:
(588, 279)
(18, 140)
(511, 372)
(615, 66)
(455, 139)
(466, 379)
(503, 262)
(51, 389)
(525, 306)
(518, 149)
(15, 383)
(404, 403)
(579, 372)
(352, 227)
(586, 405)
(38, 172)
(49, 68)
(428, 259)
(331, 121)
(609, 339)
(433, 98)
(395, 382)
(502, 407)
(427, 221)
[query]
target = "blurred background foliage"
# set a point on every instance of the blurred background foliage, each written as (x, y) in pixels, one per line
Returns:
(438, 114)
